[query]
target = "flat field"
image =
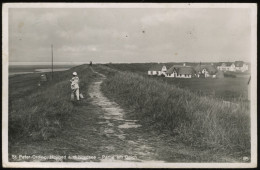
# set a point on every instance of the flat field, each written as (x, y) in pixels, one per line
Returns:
(229, 89)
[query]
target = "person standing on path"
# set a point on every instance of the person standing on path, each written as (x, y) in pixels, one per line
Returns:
(75, 86)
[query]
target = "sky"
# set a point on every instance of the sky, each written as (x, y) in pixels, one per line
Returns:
(129, 35)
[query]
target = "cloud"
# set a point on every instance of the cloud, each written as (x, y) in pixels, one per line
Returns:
(130, 35)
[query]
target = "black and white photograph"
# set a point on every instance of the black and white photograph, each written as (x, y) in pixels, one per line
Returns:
(129, 85)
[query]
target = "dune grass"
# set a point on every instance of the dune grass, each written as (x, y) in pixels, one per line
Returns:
(39, 113)
(227, 88)
(199, 121)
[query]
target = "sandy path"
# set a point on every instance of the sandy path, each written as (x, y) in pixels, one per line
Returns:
(116, 126)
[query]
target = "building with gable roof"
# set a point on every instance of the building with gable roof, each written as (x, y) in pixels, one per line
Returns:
(179, 71)
(241, 66)
(226, 67)
(236, 66)
(158, 69)
(206, 71)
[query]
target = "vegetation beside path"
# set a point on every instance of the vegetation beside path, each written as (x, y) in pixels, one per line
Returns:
(201, 122)
(39, 113)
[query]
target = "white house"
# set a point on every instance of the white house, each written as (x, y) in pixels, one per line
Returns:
(226, 67)
(206, 71)
(240, 66)
(158, 69)
(236, 66)
(178, 71)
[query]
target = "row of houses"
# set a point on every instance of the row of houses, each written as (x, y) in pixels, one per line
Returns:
(183, 71)
(237, 66)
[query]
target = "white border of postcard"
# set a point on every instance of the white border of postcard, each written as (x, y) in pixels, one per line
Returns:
(251, 6)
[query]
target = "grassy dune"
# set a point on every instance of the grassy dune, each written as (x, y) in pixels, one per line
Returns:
(40, 112)
(203, 122)
(227, 88)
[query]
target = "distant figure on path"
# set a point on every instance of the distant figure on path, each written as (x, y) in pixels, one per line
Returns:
(90, 63)
(75, 86)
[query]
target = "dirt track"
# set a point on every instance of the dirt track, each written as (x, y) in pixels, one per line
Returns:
(116, 126)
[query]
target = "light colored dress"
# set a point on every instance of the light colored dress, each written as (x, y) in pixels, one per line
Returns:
(75, 87)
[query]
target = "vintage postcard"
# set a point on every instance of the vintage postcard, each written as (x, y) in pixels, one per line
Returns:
(120, 85)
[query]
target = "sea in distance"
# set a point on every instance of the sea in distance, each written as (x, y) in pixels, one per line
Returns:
(27, 69)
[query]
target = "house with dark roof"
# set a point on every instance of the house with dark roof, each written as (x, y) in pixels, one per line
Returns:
(178, 71)
(205, 71)
(158, 69)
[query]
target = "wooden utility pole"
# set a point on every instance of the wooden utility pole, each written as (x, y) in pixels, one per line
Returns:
(52, 62)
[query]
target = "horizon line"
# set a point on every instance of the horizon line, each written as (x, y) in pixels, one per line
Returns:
(77, 63)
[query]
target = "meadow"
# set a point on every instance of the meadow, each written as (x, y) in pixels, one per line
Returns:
(227, 88)
(199, 121)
